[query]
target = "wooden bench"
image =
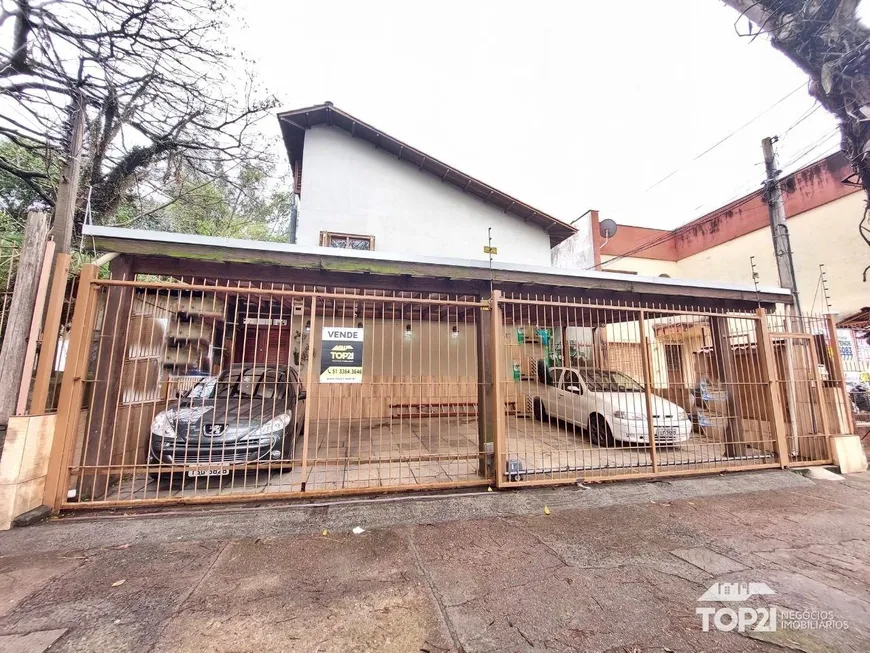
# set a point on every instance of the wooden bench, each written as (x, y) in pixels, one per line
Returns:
(412, 410)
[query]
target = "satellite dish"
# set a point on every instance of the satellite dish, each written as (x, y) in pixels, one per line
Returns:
(607, 228)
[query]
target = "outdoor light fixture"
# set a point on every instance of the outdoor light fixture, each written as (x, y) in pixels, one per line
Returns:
(454, 332)
(308, 326)
(407, 330)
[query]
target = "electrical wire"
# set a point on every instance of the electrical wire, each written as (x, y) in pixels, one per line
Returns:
(722, 140)
(658, 240)
(661, 239)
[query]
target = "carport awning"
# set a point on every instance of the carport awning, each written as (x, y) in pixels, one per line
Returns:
(165, 253)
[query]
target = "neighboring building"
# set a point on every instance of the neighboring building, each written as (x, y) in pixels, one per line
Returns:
(823, 212)
(360, 188)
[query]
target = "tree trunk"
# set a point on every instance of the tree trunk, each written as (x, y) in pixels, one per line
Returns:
(829, 43)
(21, 313)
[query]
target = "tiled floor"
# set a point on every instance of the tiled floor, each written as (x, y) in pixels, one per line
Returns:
(350, 454)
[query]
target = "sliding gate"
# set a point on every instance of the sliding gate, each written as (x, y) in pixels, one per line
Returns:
(200, 390)
(608, 390)
(203, 390)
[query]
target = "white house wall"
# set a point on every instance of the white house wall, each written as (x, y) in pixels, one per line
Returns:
(577, 251)
(349, 186)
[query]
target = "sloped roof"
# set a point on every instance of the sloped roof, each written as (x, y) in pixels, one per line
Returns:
(295, 123)
(226, 252)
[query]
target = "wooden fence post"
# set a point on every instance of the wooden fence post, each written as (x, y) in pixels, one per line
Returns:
(35, 328)
(50, 333)
(72, 389)
(14, 348)
(772, 399)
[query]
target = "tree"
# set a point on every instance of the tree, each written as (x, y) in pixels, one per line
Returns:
(16, 195)
(828, 42)
(161, 89)
(232, 204)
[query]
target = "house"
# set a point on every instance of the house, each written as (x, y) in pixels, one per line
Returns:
(361, 188)
(384, 352)
(823, 209)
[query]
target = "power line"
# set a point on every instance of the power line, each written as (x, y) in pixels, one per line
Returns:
(658, 240)
(811, 148)
(663, 238)
(722, 140)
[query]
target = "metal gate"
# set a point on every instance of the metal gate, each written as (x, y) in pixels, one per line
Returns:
(611, 390)
(199, 390)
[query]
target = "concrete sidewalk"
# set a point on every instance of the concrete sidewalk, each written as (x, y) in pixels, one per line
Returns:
(615, 567)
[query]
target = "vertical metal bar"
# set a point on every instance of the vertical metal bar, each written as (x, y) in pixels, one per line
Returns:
(767, 365)
(69, 408)
(309, 386)
(837, 360)
(817, 381)
(647, 383)
(498, 422)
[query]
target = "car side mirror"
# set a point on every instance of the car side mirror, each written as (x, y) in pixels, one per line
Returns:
(302, 395)
(575, 389)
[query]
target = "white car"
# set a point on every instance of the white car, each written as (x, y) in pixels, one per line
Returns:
(611, 405)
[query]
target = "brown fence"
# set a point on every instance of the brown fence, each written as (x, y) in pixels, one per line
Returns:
(191, 391)
(200, 390)
(613, 390)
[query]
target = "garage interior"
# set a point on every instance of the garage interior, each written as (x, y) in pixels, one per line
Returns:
(452, 356)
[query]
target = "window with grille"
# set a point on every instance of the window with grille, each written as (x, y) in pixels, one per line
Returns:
(346, 241)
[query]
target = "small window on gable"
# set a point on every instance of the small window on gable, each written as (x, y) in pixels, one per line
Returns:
(346, 241)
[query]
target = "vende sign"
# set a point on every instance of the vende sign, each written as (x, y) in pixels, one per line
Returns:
(332, 333)
(341, 355)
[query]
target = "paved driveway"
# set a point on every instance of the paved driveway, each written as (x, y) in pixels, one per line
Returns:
(616, 567)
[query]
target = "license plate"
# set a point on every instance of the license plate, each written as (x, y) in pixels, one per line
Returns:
(208, 472)
(668, 430)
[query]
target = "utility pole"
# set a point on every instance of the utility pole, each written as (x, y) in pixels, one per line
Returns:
(68, 188)
(785, 267)
(778, 227)
(62, 231)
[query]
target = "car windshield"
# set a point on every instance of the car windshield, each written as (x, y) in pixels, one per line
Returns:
(609, 381)
(249, 382)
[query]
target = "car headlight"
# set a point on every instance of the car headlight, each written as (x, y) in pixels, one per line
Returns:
(162, 427)
(275, 424)
(682, 415)
(634, 417)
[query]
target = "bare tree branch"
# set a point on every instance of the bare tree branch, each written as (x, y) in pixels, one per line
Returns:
(159, 80)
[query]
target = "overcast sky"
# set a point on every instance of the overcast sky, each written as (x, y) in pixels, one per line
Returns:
(568, 106)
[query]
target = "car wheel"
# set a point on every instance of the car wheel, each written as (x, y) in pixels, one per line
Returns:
(599, 432)
(539, 410)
